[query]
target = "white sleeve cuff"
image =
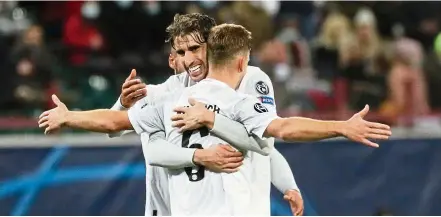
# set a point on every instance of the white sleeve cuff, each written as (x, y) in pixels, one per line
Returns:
(118, 106)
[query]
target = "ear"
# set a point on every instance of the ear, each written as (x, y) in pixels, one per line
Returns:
(171, 62)
(241, 65)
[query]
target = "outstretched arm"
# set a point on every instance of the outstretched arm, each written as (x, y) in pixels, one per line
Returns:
(101, 120)
(305, 129)
(147, 119)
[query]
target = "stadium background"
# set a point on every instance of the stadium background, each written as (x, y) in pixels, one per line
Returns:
(326, 60)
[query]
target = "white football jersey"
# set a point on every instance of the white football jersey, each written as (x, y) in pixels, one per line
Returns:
(195, 191)
(157, 195)
(258, 84)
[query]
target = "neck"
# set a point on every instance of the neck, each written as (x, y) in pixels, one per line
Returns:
(226, 75)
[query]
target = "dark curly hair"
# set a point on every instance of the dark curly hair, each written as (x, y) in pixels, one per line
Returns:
(198, 25)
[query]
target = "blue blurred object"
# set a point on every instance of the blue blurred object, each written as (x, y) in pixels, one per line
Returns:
(335, 177)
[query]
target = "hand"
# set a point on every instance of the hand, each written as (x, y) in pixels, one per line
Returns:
(295, 202)
(194, 117)
(54, 119)
(359, 130)
(132, 90)
(219, 158)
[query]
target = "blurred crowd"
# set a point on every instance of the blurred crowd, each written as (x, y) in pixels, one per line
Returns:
(321, 56)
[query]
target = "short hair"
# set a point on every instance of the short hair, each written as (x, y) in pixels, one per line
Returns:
(197, 24)
(226, 41)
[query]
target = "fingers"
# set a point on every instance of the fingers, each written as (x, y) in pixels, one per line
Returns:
(230, 151)
(178, 124)
(377, 136)
(180, 109)
(43, 124)
(129, 83)
(132, 75)
(230, 170)
(378, 126)
(137, 94)
(364, 112)
(46, 113)
(134, 88)
(47, 131)
(228, 148)
(233, 165)
(192, 101)
(56, 100)
(380, 132)
(369, 143)
(177, 117)
(299, 212)
(42, 120)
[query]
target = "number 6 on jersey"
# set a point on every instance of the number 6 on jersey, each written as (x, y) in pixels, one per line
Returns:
(194, 173)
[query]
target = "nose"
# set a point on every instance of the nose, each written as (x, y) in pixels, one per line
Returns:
(188, 59)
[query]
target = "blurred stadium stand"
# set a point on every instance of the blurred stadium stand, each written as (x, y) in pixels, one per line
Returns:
(326, 60)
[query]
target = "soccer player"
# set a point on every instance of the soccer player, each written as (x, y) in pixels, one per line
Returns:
(193, 190)
(190, 55)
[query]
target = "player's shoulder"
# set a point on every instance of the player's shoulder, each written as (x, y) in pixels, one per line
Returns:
(257, 76)
(256, 82)
(255, 71)
(177, 78)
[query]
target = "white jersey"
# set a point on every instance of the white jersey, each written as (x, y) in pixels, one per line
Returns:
(157, 195)
(257, 202)
(258, 84)
(195, 191)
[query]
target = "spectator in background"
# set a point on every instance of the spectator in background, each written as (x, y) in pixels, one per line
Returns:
(406, 81)
(363, 63)
(80, 34)
(251, 16)
(13, 19)
(432, 69)
(327, 49)
(32, 73)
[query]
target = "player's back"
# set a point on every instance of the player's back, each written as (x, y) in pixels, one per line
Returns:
(193, 190)
(221, 98)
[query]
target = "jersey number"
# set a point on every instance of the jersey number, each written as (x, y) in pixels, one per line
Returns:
(194, 175)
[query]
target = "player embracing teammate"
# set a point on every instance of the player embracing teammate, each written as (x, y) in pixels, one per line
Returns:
(195, 168)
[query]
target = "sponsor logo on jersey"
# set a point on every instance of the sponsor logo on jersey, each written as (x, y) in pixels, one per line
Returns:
(266, 100)
(262, 88)
(260, 108)
(144, 105)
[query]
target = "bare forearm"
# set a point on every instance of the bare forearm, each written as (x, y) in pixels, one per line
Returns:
(100, 120)
(306, 129)
(118, 107)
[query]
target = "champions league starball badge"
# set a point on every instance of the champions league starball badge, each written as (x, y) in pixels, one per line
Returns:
(262, 88)
(260, 108)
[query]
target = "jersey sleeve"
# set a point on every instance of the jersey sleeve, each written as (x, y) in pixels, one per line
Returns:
(260, 86)
(156, 91)
(254, 115)
(147, 118)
